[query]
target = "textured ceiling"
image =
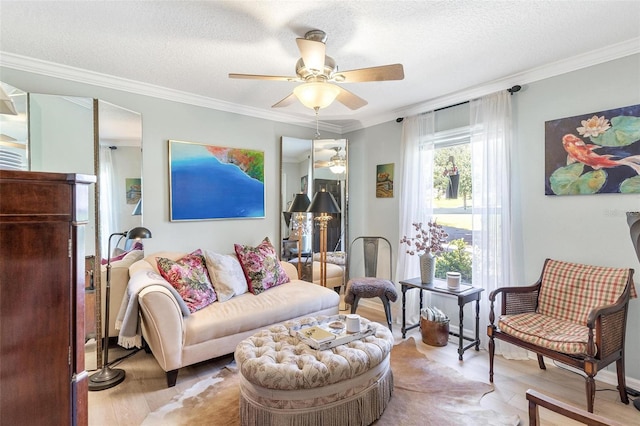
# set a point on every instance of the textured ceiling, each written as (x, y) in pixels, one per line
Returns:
(188, 46)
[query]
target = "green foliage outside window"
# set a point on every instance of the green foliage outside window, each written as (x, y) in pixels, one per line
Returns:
(462, 157)
(457, 259)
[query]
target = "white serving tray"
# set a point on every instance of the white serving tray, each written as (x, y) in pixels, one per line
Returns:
(342, 337)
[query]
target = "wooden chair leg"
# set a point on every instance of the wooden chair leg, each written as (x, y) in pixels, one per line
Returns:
(541, 362)
(622, 385)
(387, 310)
(591, 392)
(492, 349)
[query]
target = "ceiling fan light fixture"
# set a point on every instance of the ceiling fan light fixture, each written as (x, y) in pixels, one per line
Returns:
(316, 95)
(338, 164)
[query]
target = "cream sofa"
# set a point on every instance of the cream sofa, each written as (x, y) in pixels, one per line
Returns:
(177, 341)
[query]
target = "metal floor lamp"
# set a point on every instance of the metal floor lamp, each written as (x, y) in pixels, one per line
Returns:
(109, 377)
(323, 205)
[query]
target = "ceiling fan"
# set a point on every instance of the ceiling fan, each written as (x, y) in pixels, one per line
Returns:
(318, 73)
(337, 163)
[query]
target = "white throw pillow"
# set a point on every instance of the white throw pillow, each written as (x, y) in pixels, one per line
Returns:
(226, 275)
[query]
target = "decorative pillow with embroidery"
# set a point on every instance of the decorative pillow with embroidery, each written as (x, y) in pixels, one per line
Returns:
(226, 275)
(190, 278)
(261, 266)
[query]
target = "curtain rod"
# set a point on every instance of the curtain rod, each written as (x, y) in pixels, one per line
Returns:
(511, 90)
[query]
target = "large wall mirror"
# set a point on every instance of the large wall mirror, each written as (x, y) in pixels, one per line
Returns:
(307, 167)
(83, 135)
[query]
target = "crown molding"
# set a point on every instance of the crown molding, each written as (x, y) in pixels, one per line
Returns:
(574, 63)
(50, 69)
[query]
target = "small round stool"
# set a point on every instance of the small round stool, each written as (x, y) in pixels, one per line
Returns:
(368, 287)
(285, 382)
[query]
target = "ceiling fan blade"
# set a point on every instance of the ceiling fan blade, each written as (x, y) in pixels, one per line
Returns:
(312, 53)
(381, 73)
(264, 77)
(350, 100)
(319, 164)
(285, 102)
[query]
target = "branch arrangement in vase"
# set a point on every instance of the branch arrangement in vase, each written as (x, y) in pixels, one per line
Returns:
(429, 240)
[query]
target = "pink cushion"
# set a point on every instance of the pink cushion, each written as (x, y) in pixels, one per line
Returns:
(190, 278)
(261, 266)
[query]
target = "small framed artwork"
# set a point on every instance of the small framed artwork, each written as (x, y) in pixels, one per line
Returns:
(594, 153)
(133, 190)
(214, 182)
(384, 180)
(304, 184)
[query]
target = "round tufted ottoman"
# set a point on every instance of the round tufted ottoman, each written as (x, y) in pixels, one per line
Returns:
(286, 382)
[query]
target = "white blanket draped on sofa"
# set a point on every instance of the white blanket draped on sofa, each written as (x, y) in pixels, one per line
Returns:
(128, 319)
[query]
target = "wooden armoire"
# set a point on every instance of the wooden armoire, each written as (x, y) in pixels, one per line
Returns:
(42, 272)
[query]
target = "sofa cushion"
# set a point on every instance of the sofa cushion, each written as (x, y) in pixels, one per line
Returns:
(249, 312)
(190, 278)
(548, 332)
(226, 275)
(570, 291)
(261, 266)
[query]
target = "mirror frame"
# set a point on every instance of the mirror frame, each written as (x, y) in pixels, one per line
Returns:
(317, 152)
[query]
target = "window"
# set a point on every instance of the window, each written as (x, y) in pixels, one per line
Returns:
(452, 200)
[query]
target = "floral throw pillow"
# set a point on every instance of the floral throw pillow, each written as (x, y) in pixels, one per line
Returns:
(190, 278)
(261, 266)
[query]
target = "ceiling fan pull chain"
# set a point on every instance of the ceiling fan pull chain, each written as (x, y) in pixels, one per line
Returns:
(317, 135)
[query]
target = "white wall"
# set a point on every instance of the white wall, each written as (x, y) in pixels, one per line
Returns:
(163, 120)
(586, 229)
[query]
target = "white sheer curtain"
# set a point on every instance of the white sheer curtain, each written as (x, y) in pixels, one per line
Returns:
(491, 139)
(108, 221)
(416, 193)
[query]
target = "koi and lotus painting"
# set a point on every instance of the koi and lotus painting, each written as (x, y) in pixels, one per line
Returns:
(594, 153)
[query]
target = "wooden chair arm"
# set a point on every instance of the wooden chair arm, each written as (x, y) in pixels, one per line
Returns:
(601, 311)
(516, 300)
(537, 399)
(512, 290)
(523, 299)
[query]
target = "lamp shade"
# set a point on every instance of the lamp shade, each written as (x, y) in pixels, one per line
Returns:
(138, 233)
(299, 204)
(316, 95)
(323, 202)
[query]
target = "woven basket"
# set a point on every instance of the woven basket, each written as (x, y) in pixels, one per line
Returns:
(434, 333)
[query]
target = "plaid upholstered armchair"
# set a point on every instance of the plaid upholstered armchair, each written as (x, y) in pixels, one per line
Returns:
(575, 314)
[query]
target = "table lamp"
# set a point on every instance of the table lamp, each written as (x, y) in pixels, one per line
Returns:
(299, 205)
(109, 377)
(323, 206)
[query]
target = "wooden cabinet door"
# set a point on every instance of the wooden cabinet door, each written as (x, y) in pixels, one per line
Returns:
(35, 320)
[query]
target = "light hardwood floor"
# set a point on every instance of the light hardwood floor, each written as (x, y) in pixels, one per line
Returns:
(145, 389)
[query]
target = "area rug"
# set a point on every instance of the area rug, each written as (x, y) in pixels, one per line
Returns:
(425, 393)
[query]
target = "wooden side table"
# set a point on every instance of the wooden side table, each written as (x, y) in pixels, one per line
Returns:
(465, 295)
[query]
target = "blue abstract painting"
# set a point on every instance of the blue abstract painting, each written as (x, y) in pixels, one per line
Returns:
(212, 182)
